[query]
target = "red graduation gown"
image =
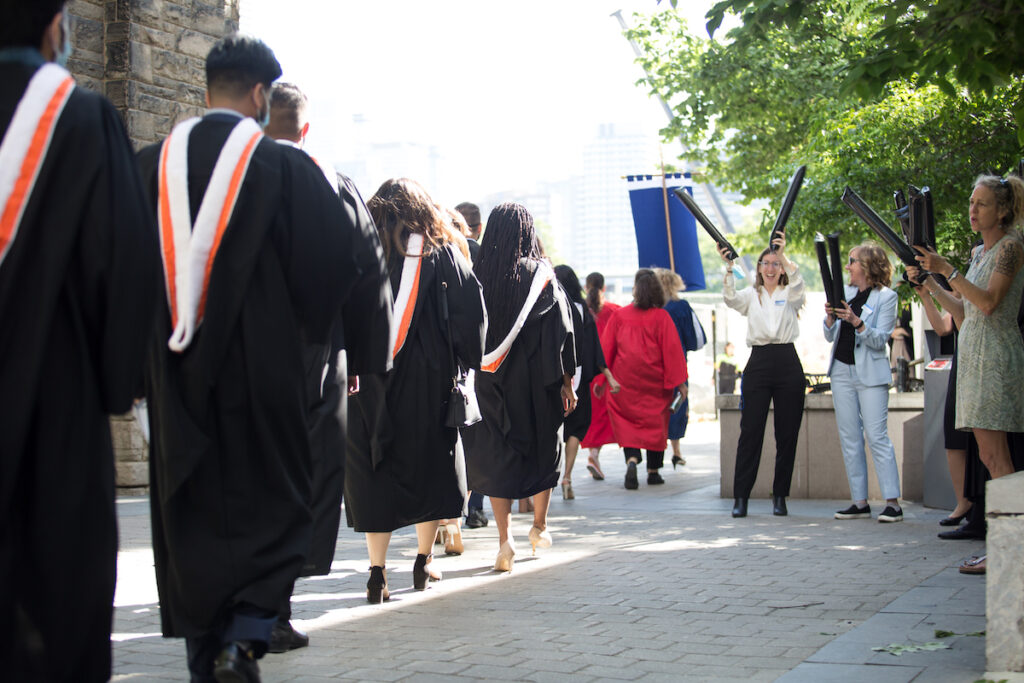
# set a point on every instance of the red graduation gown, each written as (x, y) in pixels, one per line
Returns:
(644, 354)
(600, 431)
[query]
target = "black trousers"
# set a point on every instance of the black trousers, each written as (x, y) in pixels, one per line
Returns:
(773, 373)
(655, 459)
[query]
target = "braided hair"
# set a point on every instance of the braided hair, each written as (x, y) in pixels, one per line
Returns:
(508, 240)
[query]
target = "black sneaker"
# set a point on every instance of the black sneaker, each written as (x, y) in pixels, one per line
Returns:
(654, 478)
(476, 518)
(891, 514)
(631, 481)
(854, 512)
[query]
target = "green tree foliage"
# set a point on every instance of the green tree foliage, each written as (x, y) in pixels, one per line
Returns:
(967, 42)
(774, 96)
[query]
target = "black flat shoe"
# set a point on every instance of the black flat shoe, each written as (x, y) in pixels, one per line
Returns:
(739, 508)
(779, 506)
(961, 534)
(654, 478)
(631, 483)
(676, 460)
(285, 637)
(952, 521)
(236, 663)
(377, 587)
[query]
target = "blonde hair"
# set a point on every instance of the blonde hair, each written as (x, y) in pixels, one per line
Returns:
(876, 264)
(1009, 194)
(670, 282)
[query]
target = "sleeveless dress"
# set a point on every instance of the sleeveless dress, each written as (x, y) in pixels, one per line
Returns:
(990, 361)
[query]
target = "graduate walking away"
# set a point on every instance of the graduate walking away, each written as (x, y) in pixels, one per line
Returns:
(591, 364)
(358, 344)
(773, 376)
(599, 433)
(644, 353)
(525, 383)
(78, 264)
(402, 465)
(258, 260)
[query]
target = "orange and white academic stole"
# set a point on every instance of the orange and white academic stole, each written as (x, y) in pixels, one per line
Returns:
(26, 144)
(408, 288)
(493, 359)
(188, 250)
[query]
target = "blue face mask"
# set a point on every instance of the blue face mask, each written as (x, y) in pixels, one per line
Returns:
(264, 119)
(62, 55)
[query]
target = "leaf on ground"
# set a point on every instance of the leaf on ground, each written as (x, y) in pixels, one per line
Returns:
(939, 633)
(898, 649)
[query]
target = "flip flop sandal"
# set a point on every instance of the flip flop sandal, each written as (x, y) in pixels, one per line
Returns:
(975, 565)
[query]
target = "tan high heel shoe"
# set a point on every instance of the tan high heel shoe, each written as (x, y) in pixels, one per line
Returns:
(539, 538)
(567, 493)
(453, 540)
(506, 556)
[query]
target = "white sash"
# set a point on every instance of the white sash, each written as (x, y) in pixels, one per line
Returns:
(26, 144)
(493, 360)
(189, 251)
(408, 288)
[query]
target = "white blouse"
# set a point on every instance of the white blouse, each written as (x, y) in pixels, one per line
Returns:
(771, 318)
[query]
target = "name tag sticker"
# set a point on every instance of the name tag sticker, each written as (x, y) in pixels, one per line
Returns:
(867, 310)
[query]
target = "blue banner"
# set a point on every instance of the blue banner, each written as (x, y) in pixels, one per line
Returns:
(647, 199)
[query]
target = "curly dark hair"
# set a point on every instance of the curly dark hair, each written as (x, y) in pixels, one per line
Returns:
(647, 290)
(401, 207)
(238, 62)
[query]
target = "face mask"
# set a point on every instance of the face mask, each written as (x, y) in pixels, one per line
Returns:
(264, 119)
(61, 55)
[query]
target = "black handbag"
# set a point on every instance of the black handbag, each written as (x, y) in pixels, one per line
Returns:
(462, 410)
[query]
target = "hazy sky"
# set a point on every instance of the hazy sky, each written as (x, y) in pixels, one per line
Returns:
(508, 91)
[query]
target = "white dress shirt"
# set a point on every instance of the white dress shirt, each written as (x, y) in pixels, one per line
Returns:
(771, 318)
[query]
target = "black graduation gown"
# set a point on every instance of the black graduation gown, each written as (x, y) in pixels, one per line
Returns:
(359, 345)
(591, 359)
(230, 456)
(77, 289)
(514, 452)
(402, 467)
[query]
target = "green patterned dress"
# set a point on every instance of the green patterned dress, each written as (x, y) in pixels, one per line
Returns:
(990, 364)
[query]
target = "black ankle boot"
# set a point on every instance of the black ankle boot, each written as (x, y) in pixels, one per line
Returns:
(779, 506)
(739, 507)
(377, 586)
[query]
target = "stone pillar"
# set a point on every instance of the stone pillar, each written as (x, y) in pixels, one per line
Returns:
(1004, 576)
(148, 57)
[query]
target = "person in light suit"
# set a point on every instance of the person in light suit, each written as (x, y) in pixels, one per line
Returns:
(860, 373)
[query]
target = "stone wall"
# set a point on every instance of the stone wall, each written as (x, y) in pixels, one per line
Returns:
(148, 57)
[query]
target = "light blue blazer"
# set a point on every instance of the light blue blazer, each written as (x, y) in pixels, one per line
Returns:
(870, 347)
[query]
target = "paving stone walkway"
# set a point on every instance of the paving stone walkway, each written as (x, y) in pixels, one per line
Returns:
(659, 584)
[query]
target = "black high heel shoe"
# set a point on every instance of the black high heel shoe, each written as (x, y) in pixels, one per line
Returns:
(677, 460)
(422, 572)
(739, 508)
(953, 521)
(377, 587)
(779, 506)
